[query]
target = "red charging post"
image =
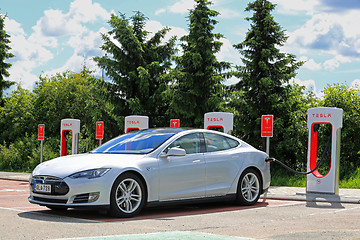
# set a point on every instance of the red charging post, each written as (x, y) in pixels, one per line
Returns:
(175, 123)
(267, 122)
(41, 137)
(100, 131)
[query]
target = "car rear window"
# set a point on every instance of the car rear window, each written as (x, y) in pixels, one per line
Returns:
(216, 142)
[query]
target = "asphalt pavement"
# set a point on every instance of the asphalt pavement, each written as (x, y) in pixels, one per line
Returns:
(274, 192)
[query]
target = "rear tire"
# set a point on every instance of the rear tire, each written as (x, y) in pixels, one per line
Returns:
(249, 187)
(128, 196)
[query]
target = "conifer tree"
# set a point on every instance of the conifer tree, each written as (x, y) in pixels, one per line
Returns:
(4, 54)
(137, 66)
(265, 74)
(198, 75)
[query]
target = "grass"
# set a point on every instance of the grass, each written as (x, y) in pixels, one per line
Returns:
(352, 181)
(282, 178)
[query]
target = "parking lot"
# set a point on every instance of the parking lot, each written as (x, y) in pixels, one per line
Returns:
(268, 219)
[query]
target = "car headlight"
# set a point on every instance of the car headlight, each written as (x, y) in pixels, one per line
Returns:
(92, 173)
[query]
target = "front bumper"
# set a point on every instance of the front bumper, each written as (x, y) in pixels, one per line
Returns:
(71, 193)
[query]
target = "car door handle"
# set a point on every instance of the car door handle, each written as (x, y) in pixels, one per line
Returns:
(196, 161)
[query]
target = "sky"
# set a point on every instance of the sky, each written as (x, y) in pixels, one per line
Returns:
(52, 36)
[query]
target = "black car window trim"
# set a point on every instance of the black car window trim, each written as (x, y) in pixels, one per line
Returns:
(202, 143)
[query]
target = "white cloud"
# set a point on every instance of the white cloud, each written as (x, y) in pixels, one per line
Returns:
(181, 6)
(74, 64)
(13, 27)
(19, 73)
(228, 53)
(321, 32)
(85, 11)
(332, 35)
(28, 55)
(332, 31)
(310, 63)
(87, 43)
(309, 85)
(55, 23)
(53, 32)
(227, 13)
(155, 26)
(176, 31)
(335, 62)
(231, 81)
(349, 22)
(298, 7)
(160, 11)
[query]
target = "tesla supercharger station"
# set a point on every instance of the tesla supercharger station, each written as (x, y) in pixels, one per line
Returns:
(69, 127)
(135, 123)
(220, 121)
(330, 119)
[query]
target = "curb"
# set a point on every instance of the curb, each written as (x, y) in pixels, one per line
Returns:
(15, 176)
(313, 197)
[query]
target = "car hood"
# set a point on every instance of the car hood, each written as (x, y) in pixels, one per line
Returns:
(64, 166)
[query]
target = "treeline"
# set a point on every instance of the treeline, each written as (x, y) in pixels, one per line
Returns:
(66, 95)
(147, 75)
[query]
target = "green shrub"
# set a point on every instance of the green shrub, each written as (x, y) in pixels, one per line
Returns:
(23, 155)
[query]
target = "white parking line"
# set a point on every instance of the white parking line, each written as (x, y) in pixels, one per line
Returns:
(163, 235)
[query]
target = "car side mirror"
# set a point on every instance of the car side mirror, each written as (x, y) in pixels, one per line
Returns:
(174, 152)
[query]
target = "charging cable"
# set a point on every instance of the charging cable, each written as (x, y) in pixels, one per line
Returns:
(297, 172)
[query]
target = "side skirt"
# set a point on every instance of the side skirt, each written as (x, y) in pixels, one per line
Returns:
(229, 197)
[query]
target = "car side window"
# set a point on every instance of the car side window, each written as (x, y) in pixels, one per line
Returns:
(190, 142)
(216, 142)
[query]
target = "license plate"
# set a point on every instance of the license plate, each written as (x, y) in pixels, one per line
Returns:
(42, 188)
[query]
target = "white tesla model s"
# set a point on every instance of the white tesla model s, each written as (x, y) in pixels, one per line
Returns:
(151, 167)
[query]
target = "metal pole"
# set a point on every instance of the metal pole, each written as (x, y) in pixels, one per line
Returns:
(99, 142)
(41, 151)
(268, 145)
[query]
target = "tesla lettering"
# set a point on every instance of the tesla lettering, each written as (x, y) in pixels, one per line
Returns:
(133, 122)
(321, 115)
(215, 119)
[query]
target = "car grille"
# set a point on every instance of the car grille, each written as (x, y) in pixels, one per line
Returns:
(82, 198)
(58, 185)
(50, 200)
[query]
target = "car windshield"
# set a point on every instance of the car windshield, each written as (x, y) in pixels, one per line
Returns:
(137, 142)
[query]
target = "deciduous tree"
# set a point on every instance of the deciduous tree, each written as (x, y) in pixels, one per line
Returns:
(348, 99)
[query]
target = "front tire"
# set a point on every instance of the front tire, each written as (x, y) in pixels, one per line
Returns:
(249, 185)
(128, 196)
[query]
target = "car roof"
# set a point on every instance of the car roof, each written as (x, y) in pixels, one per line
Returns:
(177, 131)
